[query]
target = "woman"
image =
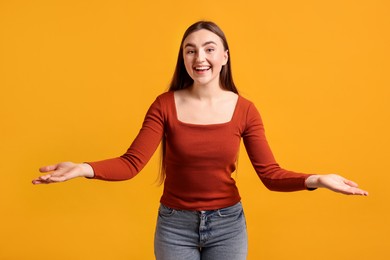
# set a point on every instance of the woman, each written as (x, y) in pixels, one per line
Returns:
(200, 121)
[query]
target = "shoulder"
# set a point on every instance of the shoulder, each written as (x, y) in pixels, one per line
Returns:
(165, 97)
(244, 100)
(245, 104)
(164, 100)
(162, 105)
(248, 111)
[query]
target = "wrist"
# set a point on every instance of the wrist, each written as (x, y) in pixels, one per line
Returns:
(87, 170)
(312, 182)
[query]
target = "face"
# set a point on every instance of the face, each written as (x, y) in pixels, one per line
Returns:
(204, 55)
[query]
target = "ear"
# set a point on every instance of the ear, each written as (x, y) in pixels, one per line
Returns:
(226, 57)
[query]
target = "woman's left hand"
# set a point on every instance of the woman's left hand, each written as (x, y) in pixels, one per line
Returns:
(335, 183)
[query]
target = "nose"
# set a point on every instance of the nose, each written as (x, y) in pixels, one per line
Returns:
(200, 56)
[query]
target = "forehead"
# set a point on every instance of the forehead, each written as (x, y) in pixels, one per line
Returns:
(202, 36)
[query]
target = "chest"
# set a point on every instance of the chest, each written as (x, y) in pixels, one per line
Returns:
(205, 113)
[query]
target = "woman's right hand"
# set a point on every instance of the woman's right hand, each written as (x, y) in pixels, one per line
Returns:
(63, 171)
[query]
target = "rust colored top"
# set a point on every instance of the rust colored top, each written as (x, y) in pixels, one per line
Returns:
(200, 159)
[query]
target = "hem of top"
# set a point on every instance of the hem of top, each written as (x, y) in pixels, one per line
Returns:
(201, 208)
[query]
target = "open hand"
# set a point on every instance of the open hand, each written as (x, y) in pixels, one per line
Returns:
(335, 183)
(63, 171)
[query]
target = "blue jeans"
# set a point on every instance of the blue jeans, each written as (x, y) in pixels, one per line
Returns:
(206, 235)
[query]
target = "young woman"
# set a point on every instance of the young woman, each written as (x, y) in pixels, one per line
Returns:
(200, 121)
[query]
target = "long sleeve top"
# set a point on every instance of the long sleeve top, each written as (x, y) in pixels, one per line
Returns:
(200, 159)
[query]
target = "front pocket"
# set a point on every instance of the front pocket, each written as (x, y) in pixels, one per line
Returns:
(234, 210)
(165, 211)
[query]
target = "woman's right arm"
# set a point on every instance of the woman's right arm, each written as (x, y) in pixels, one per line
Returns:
(116, 169)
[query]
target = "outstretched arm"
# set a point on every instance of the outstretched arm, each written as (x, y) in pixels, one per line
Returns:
(63, 171)
(335, 183)
(120, 168)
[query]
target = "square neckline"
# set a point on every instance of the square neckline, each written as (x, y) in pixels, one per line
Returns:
(202, 125)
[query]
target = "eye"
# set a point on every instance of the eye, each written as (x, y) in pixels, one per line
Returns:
(210, 49)
(190, 51)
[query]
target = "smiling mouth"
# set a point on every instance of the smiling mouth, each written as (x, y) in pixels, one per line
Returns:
(202, 68)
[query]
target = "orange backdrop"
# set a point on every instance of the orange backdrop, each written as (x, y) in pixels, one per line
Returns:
(76, 79)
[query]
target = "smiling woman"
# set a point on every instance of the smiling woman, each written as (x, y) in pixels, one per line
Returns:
(201, 121)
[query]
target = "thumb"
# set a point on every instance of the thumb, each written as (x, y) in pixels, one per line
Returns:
(48, 168)
(351, 183)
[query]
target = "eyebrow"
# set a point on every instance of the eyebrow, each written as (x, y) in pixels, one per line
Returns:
(204, 44)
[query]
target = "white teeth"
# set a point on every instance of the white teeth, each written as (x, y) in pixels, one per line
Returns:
(202, 68)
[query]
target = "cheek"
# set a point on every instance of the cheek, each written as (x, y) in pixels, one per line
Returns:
(187, 65)
(219, 59)
(217, 63)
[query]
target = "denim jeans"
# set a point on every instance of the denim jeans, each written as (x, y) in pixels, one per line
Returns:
(207, 235)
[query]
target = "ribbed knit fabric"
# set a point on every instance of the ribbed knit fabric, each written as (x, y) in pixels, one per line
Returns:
(200, 159)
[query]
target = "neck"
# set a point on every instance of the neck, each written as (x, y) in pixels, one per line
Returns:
(205, 91)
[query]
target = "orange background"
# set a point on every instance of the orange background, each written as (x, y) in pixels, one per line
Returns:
(77, 77)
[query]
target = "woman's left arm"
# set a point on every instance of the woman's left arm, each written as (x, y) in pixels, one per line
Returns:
(278, 179)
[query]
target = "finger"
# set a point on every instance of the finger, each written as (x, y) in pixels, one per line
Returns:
(57, 179)
(48, 168)
(360, 192)
(40, 181)
(36, 181)
(355, 191)
(45, 177)
(49, 178)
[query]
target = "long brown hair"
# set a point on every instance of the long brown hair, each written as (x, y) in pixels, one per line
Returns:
(182, 80)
